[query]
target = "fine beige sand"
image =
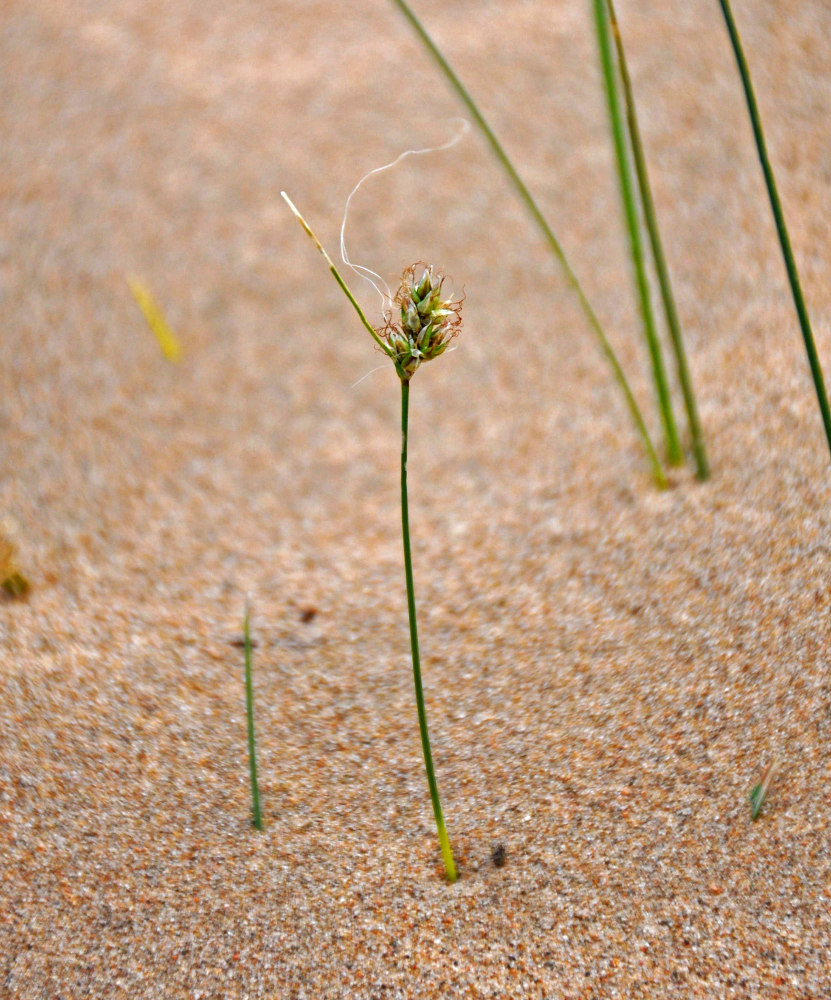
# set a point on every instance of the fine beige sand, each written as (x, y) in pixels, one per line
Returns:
(608, 668)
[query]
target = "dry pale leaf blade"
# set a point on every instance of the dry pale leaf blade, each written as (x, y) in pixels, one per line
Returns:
(168, 341)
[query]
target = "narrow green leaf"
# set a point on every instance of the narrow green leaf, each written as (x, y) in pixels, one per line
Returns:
(651, 219)
(779, 219)
(257, 819)
(675, 453)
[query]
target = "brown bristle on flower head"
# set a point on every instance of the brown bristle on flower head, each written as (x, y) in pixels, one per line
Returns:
(427, 321)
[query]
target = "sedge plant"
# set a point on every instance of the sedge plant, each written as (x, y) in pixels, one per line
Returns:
(779, 219)
(673, 323)
(547, 232)
(427, 320)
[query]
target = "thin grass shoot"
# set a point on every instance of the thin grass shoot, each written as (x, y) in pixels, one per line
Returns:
(779, 219)
(256, 814)
(699, 450)
(675, 454)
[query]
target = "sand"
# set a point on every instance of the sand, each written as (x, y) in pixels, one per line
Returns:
(608, 668)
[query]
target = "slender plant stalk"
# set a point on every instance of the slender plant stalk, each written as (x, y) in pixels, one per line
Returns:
(671, 313)
(675, 454)
(547, 232)
(444, 842)
(779, 217)
(257, 819)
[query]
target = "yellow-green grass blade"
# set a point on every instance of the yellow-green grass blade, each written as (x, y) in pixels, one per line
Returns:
(167, 339)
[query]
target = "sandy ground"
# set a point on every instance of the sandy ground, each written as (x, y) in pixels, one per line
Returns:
(608, 668)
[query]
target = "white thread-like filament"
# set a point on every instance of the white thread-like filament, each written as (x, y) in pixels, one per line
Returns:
(365, 272)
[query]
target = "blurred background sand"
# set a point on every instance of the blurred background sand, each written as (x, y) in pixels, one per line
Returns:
(608, 669)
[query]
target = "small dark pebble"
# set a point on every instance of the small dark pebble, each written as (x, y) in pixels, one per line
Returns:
(239, 642)
(499, 855)
(307, 615)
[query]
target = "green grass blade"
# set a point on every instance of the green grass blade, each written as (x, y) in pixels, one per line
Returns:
(547, 232)
(779, 218)
(627, 188)
(650, 216)
(257, 818)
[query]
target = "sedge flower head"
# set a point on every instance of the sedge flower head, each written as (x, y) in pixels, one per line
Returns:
(427, 321)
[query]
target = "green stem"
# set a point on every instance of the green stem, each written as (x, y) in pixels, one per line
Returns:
(675, 453)
(249, 702)
(671, 313)
(779, 217)
(547, 232)
(444, 841)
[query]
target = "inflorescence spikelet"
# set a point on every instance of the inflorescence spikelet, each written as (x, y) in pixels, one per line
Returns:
(427, 322)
